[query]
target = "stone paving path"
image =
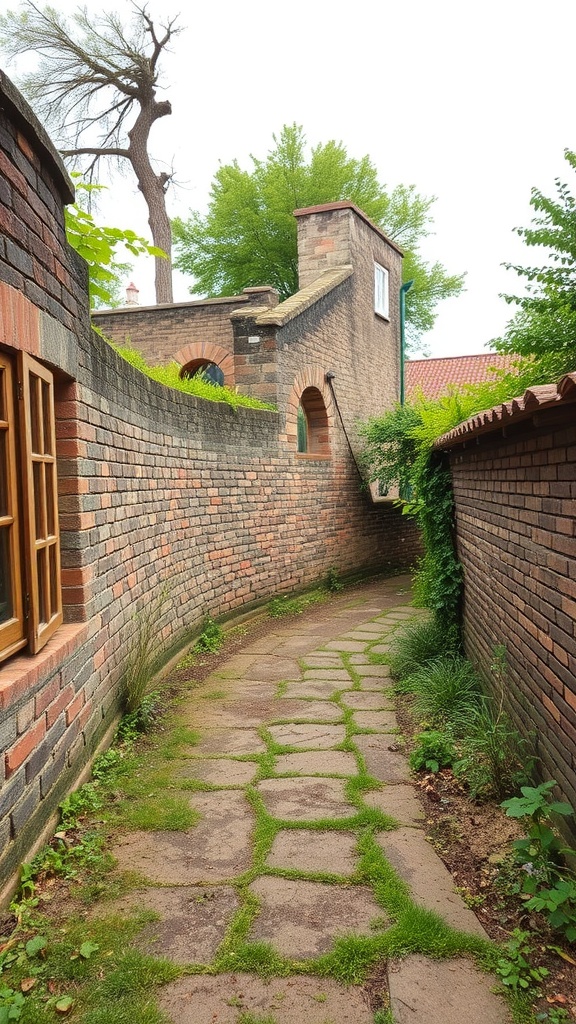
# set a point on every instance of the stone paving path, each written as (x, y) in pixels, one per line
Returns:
(275, 780)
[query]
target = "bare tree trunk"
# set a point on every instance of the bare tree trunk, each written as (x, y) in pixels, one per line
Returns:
(153, 188)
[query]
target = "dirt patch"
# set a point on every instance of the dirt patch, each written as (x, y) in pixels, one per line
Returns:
(474, 841)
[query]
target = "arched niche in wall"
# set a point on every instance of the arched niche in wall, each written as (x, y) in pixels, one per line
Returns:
(310, 416)
(214, 360)
(211, 371)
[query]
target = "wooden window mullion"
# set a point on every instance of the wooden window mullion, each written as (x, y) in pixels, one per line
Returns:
(40, 500)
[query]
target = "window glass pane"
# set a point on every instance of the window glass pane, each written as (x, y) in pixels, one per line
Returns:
(39, 498)
(49, 475)
(53, 580)
(35, 415)
(2, 396)
(6, 611)
(4, 503)
(46, 418)
(302, 430)
(42, 582)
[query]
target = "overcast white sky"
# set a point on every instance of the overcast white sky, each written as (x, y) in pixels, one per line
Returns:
(473, 104)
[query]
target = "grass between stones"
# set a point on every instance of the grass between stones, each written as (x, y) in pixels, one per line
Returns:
(115, 983)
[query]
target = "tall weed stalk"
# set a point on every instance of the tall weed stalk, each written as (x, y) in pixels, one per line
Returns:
(145, 645)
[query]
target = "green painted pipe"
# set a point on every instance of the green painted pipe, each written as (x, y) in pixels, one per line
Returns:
(404, 288)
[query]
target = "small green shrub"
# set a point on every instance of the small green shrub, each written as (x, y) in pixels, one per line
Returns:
(514, 968)
(211, 638)
(78, 804)
(134, 723)
(446, 691)
(435, 750)
(418, 643)
(547, 881)
(332, 582)
(494, 759)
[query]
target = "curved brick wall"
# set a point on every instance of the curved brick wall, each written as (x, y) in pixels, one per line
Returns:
(155, 488)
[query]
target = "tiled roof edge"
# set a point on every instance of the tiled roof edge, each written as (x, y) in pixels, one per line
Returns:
(543, 396)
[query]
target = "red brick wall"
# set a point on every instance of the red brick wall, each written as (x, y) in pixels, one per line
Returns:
(516, 513)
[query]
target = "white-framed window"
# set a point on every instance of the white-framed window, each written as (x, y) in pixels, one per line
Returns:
(381, 291)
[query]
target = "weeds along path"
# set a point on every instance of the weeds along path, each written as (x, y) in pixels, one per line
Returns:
(307, 866)
(271, 865)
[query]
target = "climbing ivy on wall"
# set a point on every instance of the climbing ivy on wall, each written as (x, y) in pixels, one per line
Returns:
(400, 450)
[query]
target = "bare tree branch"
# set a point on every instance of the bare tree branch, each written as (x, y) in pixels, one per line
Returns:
(92, 72)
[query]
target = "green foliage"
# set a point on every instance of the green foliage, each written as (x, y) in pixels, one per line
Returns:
(211, 638)
(494, 760)
(419, 642)
(197, 385)
(514, 968)
(435, 750)
(98, 247)
(249, 234)
(145, 646)
(77, 805)
(400, 450)
(547, 881)
(332, 581)
(446, 691)
(545, 321)
(284, 605)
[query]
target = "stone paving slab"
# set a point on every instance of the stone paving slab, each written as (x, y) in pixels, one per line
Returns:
(220, 771)
(317, 762)
(426, 991)
(384, 721)
(431, 883)
(305, 798)
(225, 998)
(299, 646)
(326, 660)
(316, 737)
(334, 675)
(287, 708)
(381, 762)
(229, 741)
(313, 688)
(301, 919)
(348, 646)
(374, 683)
(379, 701)
(382, 648)
(217, 848)
(235, 689)
(376, 671)
(274, 669)
(246, 714)
(400, 802)
(305, 850)
(192, 920)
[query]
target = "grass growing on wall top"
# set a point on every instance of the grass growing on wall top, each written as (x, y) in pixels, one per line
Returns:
(198, 385)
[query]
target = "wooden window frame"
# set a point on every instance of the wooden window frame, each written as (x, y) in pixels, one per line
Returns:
(381, 291)
(34, 532)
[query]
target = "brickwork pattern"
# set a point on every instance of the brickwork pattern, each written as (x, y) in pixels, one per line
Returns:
(515, 509)
(157, 488)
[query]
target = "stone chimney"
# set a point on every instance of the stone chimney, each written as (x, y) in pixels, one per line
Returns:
(333, 235)
(132, 293)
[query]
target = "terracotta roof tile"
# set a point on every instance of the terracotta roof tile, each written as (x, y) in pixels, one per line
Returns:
(542, 397)
(435, 376)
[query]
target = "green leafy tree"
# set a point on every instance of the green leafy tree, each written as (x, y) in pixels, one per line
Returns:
(94, 82)
(99, 247)
(248, 236)
(545, 321)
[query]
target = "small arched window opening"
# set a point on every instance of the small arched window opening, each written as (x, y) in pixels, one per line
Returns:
(210, 370)
(312, 424)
